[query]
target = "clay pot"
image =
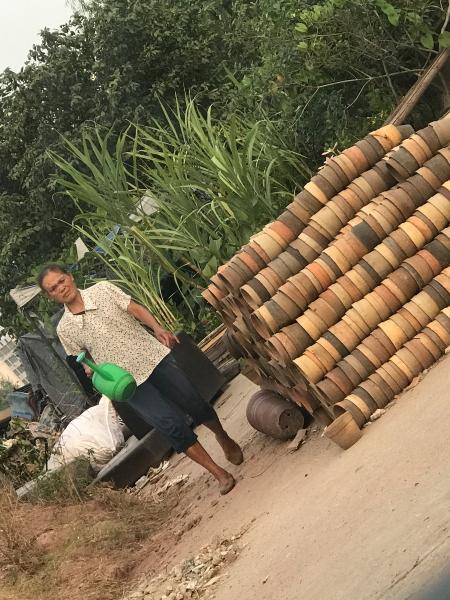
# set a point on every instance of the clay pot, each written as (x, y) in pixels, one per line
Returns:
(254, 294)
(283, 231)
(372, 150)
(384, 340)
(422, 224)
(294, 295)
(397, 374)
(358, 158)
(267, 244)
(293, 223)
(308, 201)
(362, 400)
(325, 184)
(402, 366)
(393, 332)
(431, 335)
(410, 360)
(353, 317)
(373, 391)
(441, 330)
(334, 301)
(433, 348)
(427, 303)
(414, 194)
(332, 178)
(414, 234)
(309, 368)
(417, 148)
(439, 251)
(349, 372)
(344, 431)
(346, 165)
(406, 325)
(393, 384)
(366, 235)
(442, 130)
(316, 193)
(376, 348)
(423, 187)
(388, 136)
(300, 211)
(434, 215)
(417, 312)
(430, 138)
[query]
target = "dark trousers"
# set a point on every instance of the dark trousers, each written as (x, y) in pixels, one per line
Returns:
(168, 402)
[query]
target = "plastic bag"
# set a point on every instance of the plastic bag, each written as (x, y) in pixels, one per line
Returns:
(96, 434)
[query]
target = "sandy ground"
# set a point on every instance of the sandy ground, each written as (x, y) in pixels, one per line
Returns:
(323, 524)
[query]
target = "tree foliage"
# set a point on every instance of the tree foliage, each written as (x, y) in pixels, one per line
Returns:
(322, 72)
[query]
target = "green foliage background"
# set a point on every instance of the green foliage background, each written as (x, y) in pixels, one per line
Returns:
(321, 73)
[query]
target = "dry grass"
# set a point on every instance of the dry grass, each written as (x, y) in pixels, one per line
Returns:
(84, 550)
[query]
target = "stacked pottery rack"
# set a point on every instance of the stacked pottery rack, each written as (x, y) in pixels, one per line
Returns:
(343, 300)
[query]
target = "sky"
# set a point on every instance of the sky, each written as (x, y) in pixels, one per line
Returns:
(20, 23)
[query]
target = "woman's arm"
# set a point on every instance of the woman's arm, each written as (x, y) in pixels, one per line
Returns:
(140, 313)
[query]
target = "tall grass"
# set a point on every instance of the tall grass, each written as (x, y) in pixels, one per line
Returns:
(213, 185)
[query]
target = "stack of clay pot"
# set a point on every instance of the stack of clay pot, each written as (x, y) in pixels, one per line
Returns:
(343, 300)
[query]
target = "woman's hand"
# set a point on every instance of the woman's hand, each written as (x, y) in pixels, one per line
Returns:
(166, 337)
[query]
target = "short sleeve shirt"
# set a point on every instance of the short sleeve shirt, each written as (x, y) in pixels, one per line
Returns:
(109, 333)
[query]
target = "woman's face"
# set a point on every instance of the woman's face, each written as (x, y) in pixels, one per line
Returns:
(60, 287)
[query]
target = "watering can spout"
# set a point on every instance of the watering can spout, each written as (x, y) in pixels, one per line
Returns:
(81, 358)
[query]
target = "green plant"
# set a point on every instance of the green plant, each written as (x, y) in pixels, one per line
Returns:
(5, 388)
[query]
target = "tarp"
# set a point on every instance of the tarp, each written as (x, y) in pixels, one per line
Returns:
(45, 370)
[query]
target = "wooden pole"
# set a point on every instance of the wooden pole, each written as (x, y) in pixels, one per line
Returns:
(409, 101)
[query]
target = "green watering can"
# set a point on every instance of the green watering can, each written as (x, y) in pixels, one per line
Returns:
(110, 379)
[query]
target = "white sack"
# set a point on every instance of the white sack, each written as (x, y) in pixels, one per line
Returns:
(96, 434)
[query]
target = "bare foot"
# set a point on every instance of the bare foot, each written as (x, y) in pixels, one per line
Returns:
(226, 484)
(232, 450)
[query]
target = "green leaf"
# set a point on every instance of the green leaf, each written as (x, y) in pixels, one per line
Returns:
(444, 39)
(392, 13)
(301, 27)
(426, 40)
(302, 45)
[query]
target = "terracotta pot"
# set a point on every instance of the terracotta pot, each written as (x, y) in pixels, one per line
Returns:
(283, 231)
(326, 312)
(292, 222)
(425, 301)
(306, 249)
(416, 196)
(268, 285)
(409, 316)
(358, 158)
(410, 360)
(352, 198)
(353, 317)
(393, 370)
(355, 278)
(332, 178)
(420, 142)
(392, 384)
(402, 366)
(272, 232)
(384, 340)
(387, 136)
(333, 300)
(344, 431)
(349, 372)
(362, 400)
(294, 295)
(431, 346)
(309, 368)
(346, 165)
(347, 407)
(254, 294)
(308, 201)
(366, 235)
(423, 187)
(430, 177)
(392, 258)
(324, 183)
(314, 238)
(396, 290)
(374, 360)
(316, 192)
(417, 149)
(300, 211)
(430, 138)
(362, 366)
(420, 352)
(294, 260)
(405, 324)
(376, 392)
(438, 293)
(268, 245)
(442, 203)
(442, 130)
(393, 332)
(434, 215)
(344, 179)
(372, 150)
(377, 348)
(346, 336)
(318, 353)
(341, 381)
(440, 330)
(431, 335)
(362, 187)
(417, 312)
(424, 225)
(377, 302)
(399, 171)
(414, 234)
(268, 319)
(377, 263)
(419, 268)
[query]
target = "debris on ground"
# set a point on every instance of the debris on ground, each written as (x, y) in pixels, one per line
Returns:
(377, 414)
(192, 578)
(298, 440)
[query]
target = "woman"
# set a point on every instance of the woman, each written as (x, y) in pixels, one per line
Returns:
(103, 321)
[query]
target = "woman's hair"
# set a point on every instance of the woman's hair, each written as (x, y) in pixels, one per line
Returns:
(51, 268)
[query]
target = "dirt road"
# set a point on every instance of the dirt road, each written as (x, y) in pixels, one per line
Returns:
(322, 524)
